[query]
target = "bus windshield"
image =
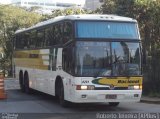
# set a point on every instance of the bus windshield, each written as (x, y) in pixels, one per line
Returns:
(108, 59)
(106, 29)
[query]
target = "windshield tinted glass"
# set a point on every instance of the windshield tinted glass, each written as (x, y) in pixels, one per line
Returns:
(107, 59)
(126, 58)
(115, 30)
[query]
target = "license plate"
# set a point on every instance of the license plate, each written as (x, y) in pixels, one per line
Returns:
(111, 96)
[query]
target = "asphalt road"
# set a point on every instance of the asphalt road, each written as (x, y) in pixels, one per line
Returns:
(39, 103)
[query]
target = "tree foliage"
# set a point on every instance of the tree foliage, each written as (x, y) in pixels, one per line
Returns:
(13, 18)
(147, 13)
(69, 11)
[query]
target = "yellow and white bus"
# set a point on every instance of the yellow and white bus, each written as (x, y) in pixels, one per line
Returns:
(81, 59)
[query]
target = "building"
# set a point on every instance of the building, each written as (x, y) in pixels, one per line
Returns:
(48, 5)
(93, 4)
(5, 1)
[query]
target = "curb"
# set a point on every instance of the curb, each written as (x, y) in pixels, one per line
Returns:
(150, 101)
(10, 79)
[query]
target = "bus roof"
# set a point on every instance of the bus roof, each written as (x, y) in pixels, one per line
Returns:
(99, 17)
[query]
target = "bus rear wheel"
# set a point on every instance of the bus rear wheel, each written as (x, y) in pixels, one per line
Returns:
(113, 104)
(26, 83)
(62, 101)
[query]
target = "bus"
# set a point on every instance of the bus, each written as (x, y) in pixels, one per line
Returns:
(81, 59)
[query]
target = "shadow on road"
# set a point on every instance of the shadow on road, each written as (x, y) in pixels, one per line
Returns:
(50, 102)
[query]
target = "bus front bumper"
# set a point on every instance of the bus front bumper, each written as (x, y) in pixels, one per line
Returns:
(94, 96)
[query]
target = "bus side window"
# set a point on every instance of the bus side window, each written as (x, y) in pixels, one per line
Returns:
(54, 59)
(49, 36)
(40, 38)
(32, 39)
(22, 41)
(17, 42)
(68, 60)
(68, 32)
(47, 39)
(26, 40)
(58, 31)
(64, 58)
(53, 39)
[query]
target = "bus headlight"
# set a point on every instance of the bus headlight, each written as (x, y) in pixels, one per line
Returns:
(135, 87)
(90, 88)
(85, 87)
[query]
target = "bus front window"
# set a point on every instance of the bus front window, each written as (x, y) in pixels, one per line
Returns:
(126, 59)
(93, 59)
(107, 59)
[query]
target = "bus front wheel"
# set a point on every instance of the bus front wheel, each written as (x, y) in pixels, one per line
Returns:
(113, 104)
(63, 102)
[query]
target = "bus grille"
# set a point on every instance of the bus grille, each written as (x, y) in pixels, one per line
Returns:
(107, 88)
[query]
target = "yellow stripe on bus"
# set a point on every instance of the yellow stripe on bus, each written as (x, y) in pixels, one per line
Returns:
(119, 81)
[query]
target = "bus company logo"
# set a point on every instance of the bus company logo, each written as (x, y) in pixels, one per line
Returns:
(128, 81)
(122, 81)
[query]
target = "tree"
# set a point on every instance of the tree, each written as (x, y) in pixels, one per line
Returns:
(147, 13)
(13, 18)
(69, 11)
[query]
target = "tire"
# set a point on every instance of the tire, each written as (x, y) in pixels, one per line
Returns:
(26, 83)
(62, 101)
(113, 104)
(21, 82)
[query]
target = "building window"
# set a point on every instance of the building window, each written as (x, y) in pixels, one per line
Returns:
(32, 3)
(41, 3)
(49, 4)
(18, 3)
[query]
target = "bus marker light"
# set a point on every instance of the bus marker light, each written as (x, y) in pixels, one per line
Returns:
(136, 87)
(83, 87)
(78, 87)
(90, 87)
(130, 87)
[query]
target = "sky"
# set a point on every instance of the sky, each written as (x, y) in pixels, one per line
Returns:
(65, 1)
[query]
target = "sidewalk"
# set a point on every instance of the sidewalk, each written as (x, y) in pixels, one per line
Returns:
(153, 100)
(11, 84)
